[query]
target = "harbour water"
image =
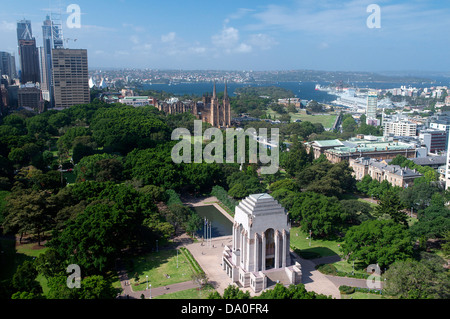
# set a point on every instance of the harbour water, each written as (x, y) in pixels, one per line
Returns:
(220, 225)
(302, 90)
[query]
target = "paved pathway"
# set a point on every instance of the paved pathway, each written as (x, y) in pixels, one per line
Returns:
(314, 280)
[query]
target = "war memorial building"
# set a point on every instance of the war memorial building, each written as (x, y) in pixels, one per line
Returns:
(260, 245)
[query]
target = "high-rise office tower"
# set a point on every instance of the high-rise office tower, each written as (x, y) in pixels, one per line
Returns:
(7, 65)
(70, 77)
(46, 54)
(52, 39)
(372, 102)
(28, 53)
(24, 30)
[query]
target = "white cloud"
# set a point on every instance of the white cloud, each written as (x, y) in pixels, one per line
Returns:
(134, 39)
(228, 41)
(197, 50)
(240, 13)
(168, 37)
(262, 41)
(134, 27)
(227, 38)
(7, 26)
(243, 48)
(337, 19)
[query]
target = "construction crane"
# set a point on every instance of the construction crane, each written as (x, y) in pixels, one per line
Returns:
(66, 40)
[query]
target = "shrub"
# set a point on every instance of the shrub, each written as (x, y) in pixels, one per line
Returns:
(327, 269)
(346, 290)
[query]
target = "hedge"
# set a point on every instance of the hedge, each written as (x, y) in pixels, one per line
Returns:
(329, 269)
(196, 267)
(222, 196)
(346, 290)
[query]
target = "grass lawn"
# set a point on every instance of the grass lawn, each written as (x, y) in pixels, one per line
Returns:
(362, 295)
(344, 266)
(373, 205)
(156, 266)
(320, 247)
(193, 293)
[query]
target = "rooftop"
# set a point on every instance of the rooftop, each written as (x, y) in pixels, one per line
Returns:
(261, 204)
(328, 143)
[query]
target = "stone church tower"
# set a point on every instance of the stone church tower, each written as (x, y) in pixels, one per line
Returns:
(220, 113)
(260, 248)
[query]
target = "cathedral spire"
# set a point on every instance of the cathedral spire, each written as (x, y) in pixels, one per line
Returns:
(225, 93)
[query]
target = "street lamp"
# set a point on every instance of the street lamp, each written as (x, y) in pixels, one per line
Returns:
(147, 281)
(150, 291)
(177, 258)
(309, 238)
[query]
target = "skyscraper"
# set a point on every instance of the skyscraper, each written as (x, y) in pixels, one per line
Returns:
(52, 39)
(372, 102)
(7, 65)
(24, 30)
(46, 54)
(28, 53)
(70, 77)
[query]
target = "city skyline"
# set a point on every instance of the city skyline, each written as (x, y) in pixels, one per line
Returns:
(250, 35)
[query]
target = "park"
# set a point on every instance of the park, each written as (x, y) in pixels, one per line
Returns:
(127, 215)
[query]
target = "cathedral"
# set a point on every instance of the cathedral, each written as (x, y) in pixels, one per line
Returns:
(209, 110)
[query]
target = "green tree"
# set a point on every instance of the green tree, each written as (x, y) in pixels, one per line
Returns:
(291, 292)
(28, 212)
(296, 159)
(24, 279)
(194, 223)
(377, 242)
(96, 287)
(413, 279)
(96, 236)
(418, 196)
(357, 211)
(155, 167)
(434, 221)
(231, 292)
(349, 125)
(390, 205)
(99, 167)
(321, 214)
(123, 129)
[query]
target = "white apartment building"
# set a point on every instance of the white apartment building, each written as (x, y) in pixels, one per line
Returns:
(399, 128)
(372, 103)
(447, 170)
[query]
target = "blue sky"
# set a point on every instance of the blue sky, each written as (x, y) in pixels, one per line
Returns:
(248, 34)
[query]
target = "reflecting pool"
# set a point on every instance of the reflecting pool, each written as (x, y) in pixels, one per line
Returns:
(220, 225)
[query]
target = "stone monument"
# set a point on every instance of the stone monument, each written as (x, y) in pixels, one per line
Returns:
(260, 245)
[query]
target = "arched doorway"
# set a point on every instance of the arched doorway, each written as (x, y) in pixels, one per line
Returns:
(270, 248)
